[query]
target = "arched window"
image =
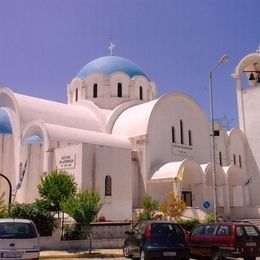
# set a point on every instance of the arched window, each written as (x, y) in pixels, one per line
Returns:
(181, 131)
(141, 92)
(119, 89)
(173, 134)
(190, 137)
(77, 94)
(95, 90)
(108, 186)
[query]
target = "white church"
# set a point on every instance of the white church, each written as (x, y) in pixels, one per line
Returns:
(114, 134)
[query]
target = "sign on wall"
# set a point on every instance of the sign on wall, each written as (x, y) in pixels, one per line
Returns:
(67, 161)
(182, 149)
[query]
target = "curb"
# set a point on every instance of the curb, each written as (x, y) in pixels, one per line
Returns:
(81, 255)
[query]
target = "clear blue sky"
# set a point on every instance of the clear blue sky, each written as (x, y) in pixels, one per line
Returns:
(45, 43)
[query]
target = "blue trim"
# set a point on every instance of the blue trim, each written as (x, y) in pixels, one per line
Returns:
(108, 65)
(5, 123)
(34, 139)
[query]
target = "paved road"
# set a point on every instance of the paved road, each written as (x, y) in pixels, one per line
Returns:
(122, 258)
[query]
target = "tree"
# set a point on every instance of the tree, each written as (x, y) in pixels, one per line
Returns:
(83, 208)
(57, 187)
(173, 207)
(38, 212)
(150, 207)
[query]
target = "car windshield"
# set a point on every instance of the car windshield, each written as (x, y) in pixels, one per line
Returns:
(251, 231)
(167, 230)
(16, 230)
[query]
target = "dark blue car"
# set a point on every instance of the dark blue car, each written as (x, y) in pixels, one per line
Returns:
(156, 240)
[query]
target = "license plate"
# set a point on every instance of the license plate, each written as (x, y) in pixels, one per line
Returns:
(169, 253)
(11, 254)
(250, 243)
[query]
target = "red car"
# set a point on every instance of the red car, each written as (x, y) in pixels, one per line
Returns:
(221, 240)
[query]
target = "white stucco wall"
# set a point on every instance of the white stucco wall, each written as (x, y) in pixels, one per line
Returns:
(92, 164)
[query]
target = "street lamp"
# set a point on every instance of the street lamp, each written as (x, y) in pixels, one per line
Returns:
(222, 60)
(10, 188)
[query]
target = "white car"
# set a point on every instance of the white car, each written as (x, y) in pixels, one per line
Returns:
(19, 239)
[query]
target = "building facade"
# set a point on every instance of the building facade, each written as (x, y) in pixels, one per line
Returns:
(115, 135)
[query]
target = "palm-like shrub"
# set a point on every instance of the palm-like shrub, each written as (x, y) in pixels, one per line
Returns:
(83, 207)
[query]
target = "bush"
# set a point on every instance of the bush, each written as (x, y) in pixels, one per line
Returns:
(189, 224)
(38, 212)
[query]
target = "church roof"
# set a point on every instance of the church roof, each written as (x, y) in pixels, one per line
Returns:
(108, 65)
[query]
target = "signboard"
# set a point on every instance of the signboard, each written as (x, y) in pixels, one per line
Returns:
(206, 204)
(182, 149)
(67, 161)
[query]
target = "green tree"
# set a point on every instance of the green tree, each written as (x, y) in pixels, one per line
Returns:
(150, 207)
(56, 187)
(3, 207)
(83, 208)
(173, 207)
(38, 212)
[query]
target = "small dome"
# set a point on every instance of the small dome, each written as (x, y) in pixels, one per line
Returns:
(108, 65)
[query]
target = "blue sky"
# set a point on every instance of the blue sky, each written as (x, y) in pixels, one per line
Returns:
(45, 43)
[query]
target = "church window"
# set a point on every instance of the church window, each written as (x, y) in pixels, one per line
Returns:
(234, 159)
(95, 90)
(240, 161)
(141, 92)
(108, 186)
(190, 138)
(181, 131)
(173, 134)
(186, 196)
(77, 94)
(119, 89)
(220, 158)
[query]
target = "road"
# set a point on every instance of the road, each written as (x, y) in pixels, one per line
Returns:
(123, 258)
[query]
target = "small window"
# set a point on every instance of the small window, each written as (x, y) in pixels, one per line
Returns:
(186, 196)
(173, 134)
(234, 159)
(141, 92)
(181, 131)
(119, 89)
(220, 158)
(240, 161)
(108, 186)
(95, 91)
(190, 138)
(77, 94)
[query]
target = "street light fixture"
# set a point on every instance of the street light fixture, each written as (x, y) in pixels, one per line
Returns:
(222, 60)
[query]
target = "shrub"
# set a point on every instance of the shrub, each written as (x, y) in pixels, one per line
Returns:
(189, 224)
(38, 212)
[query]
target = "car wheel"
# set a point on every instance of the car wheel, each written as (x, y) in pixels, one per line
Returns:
(126, 252)
(143, 255)
(216, 255)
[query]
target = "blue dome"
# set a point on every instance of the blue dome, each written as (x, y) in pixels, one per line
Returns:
(107, 65)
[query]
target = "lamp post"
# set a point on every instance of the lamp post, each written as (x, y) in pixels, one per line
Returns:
(10, 189)
(222, 60)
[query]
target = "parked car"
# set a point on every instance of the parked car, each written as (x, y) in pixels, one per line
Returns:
(18, 239)
(221, 240)
(156, 239)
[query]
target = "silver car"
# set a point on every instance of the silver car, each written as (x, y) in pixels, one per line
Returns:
(18, 239)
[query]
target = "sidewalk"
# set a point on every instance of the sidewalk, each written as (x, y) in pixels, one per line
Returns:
(73, 253)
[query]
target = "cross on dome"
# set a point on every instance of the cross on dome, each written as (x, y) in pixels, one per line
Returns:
(110, 47)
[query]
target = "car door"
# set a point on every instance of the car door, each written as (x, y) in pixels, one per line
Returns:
(194, 239)
(201, 239)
